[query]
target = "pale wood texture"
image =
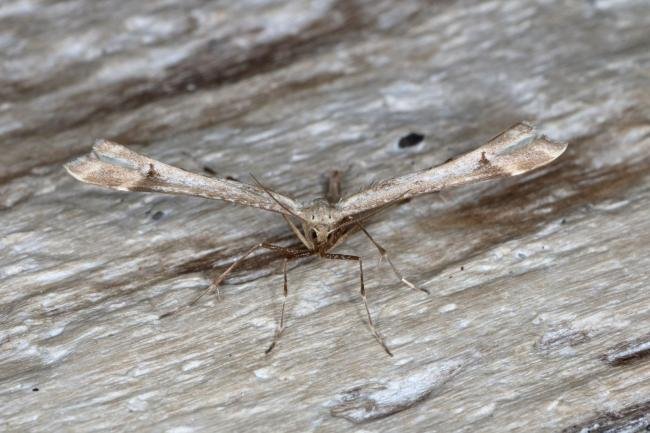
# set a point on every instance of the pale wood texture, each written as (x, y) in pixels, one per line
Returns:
(538, 315)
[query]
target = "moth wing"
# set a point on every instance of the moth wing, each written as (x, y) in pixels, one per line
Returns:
(114, 166)
(517, 150)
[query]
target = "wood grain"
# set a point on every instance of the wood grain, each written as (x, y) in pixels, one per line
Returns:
(538, 315)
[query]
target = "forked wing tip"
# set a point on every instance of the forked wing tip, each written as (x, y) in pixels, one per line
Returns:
(103, 145)
(528, 124)
(74, 167)
(554, 147)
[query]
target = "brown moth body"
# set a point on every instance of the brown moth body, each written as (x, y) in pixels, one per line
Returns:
(325, 223)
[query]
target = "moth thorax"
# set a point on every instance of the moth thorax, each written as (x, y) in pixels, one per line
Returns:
(320, 213)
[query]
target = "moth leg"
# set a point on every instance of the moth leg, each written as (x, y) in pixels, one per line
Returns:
(278, 331)
(290, 254)
(306, 242)
(214, 286)
(384, 255)
(378, 337)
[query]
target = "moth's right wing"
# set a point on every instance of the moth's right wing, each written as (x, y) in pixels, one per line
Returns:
(517, 150)
(112, 165)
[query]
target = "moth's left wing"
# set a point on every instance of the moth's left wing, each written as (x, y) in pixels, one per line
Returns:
(112, 165)
(515, 151)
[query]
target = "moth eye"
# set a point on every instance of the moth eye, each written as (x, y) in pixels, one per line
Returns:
(329, 236)
(312, 233)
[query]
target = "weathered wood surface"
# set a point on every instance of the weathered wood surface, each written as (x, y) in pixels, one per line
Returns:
(538, 318)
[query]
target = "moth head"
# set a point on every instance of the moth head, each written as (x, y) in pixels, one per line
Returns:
(319, 234)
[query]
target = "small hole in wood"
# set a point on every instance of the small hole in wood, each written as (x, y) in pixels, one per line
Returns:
(410, 140)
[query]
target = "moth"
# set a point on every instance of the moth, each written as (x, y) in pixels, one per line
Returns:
(326, 222)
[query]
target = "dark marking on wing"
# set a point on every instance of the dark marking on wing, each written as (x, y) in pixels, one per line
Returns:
(152, 171)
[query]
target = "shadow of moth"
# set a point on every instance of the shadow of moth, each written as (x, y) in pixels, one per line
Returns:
(325, 223)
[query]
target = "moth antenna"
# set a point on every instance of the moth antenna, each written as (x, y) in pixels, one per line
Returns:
(269, 192)
(365, 217)
(375, 211)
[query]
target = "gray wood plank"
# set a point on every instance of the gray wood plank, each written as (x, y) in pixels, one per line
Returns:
(538, 314)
